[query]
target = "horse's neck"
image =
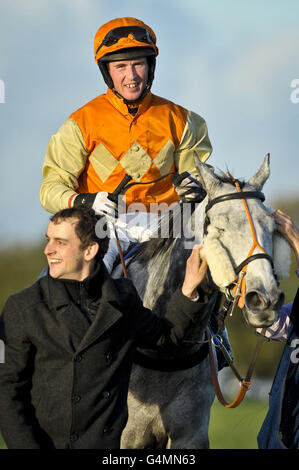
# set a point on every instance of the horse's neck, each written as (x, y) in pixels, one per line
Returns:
(166, 270)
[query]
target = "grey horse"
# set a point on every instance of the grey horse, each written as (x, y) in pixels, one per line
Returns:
(170, 396)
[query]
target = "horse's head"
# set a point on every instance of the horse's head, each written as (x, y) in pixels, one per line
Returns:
(235, 235)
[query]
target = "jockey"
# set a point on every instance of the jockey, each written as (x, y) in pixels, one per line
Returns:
(126, 131)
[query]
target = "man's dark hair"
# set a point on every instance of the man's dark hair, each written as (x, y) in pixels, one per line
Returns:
(85, 227)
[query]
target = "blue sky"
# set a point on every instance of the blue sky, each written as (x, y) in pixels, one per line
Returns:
(231, 62)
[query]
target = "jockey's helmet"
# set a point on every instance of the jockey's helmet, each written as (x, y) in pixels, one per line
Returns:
(124, 39)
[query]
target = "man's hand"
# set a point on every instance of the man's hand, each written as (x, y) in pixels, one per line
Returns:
(196, 269)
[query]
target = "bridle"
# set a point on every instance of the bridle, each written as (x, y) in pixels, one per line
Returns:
(235, 295)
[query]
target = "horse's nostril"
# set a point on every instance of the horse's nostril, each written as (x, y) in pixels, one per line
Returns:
(255, 301)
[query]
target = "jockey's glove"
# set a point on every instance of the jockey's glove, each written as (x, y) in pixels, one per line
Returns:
(188, 187)
(99, 202)
(104, 206)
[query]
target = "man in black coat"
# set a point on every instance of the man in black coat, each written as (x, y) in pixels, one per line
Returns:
(70, 338)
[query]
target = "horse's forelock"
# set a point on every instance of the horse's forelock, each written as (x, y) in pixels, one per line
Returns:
(226, 179)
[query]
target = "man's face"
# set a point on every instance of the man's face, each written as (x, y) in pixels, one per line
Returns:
(65, 257)
(129, 77)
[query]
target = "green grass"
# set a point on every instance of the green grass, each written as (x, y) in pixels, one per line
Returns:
(236, 428)
(2, 445)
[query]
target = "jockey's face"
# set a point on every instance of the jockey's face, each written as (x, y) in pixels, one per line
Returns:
(129, 77)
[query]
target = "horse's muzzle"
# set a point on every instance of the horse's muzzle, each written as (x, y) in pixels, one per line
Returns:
(261, 307)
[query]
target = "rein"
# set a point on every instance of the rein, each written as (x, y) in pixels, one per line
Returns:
(244, 382)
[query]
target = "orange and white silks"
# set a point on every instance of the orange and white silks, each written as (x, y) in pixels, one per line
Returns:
(102, 142)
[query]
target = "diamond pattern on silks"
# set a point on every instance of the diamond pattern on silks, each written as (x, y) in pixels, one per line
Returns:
(136, 161)
(162, 160)
(103, 162)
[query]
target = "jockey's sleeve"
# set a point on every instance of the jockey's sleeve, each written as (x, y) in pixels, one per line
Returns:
(195, 139)
(64, 161)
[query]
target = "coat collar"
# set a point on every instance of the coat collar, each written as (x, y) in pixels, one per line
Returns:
(109, 311)
(62, 291)
(118, 103)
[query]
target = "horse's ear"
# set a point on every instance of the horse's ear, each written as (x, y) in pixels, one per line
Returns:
(260, 177)
(207, 177)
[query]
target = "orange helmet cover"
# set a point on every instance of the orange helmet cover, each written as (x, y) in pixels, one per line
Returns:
(123, 43)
